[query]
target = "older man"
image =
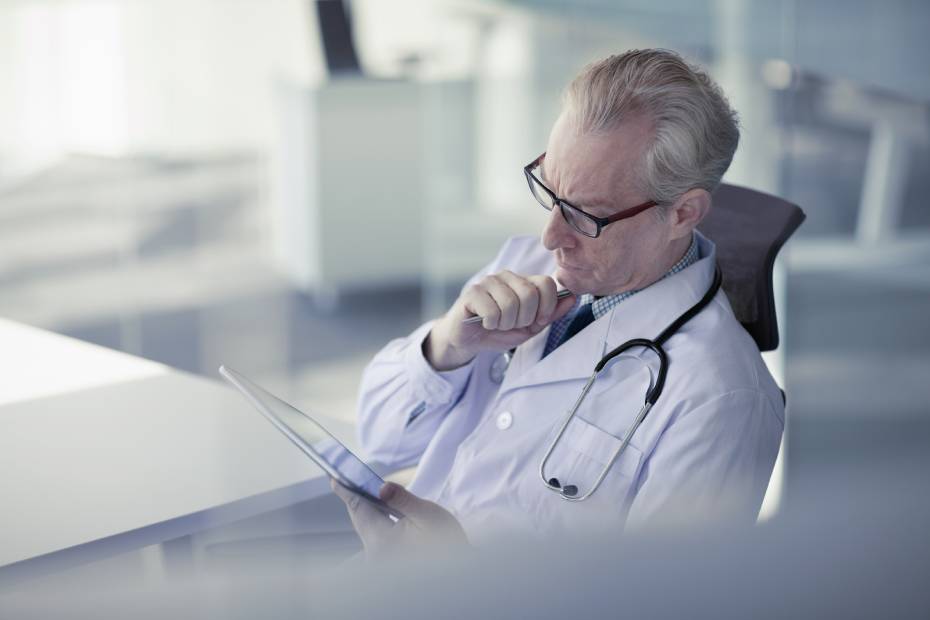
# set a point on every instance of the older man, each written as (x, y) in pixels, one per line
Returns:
(642, 141)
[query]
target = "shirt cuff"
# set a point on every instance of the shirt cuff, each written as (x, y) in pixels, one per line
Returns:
(429, 385)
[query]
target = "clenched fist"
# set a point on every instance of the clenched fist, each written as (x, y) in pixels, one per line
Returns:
(514, 309)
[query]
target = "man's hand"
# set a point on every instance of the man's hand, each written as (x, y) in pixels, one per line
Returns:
(425, 525)
(515, 308)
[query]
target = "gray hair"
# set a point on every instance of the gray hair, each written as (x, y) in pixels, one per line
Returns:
(695, 132)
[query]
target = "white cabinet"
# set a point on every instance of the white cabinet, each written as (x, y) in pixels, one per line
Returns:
(347, 185)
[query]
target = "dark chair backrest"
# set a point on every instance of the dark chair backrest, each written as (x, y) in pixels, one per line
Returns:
(749, 228)
(335, 23)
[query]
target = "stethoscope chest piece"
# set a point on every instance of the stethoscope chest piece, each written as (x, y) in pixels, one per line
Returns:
(499, 367)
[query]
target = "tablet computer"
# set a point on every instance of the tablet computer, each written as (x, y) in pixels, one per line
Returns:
(315, 441)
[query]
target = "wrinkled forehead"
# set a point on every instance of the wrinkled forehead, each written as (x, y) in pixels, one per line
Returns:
(595, 165)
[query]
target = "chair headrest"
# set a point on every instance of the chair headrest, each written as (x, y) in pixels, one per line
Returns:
(749, 228)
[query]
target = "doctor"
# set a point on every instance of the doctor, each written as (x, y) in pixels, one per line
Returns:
(626, 178)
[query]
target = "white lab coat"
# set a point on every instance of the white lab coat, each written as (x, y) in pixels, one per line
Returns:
(707, 448)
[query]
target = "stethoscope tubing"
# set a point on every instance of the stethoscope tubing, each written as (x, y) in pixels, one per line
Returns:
(652, 396)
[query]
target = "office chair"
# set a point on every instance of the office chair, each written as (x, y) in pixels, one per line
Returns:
(749, 228)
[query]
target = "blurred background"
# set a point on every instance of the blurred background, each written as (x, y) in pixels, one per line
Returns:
(285, 185)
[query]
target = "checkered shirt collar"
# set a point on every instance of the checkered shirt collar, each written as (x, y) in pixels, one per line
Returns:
(603, 305)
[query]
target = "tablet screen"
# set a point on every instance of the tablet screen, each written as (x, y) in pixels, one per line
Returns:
(310, 437)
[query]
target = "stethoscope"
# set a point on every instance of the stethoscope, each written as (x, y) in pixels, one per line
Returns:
(570, 491)
(499, 366)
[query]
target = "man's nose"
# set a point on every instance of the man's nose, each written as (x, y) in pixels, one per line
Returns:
(557, 233)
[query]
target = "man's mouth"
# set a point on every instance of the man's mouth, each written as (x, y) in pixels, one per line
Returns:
(564, 265)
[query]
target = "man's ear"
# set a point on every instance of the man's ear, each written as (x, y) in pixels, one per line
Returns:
(688, 211)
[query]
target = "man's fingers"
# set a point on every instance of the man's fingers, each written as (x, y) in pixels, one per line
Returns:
(480, 303)
(435, 524)
(506, 299)
(418, 511)
(510, 302)
(548, 298)
(372, 525)
(527, 295)
(401, 499)
(424, 522)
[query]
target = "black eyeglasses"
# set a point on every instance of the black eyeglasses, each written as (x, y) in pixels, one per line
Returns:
(585, 223)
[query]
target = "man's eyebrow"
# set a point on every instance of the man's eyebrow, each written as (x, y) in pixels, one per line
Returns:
(594, 203)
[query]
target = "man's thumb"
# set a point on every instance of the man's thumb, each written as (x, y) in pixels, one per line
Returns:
(399, 498)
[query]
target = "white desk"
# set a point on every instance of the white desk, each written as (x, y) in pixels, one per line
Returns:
(102, 452)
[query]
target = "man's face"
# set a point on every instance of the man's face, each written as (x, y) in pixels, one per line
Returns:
(596, 173)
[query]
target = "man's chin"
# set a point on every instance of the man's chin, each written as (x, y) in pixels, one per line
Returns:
(569, 278)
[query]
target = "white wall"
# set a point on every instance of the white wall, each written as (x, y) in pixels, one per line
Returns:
(114, 77)
(203, 70)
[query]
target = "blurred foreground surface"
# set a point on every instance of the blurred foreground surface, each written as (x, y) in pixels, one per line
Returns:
(136, 213)
(852, 546)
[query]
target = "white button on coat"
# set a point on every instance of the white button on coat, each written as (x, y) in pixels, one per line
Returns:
(504, 420)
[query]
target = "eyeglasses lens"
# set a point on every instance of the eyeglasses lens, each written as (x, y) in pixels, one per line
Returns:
(542, 196)
(585, 225)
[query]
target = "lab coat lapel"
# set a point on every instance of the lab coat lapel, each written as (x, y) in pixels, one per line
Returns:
(648, 313)
(644, 315)
(574, 359)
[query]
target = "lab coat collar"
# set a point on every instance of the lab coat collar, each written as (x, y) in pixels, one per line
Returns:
(643, 315)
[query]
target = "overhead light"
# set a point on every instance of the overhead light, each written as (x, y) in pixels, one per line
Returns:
(777, 74)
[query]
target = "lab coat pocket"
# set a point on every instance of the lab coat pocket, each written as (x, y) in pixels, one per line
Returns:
(617, 395)
(585, 451)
